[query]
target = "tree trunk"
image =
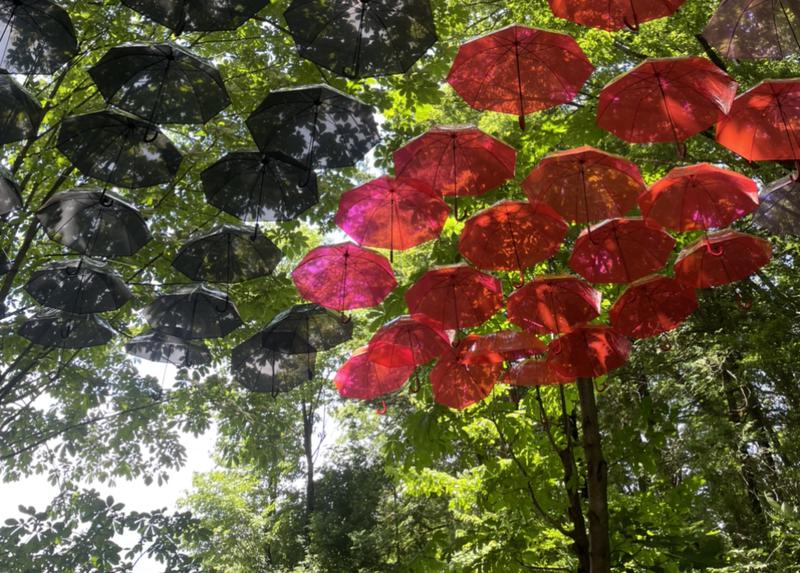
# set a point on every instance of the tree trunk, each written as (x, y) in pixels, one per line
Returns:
(308, 432)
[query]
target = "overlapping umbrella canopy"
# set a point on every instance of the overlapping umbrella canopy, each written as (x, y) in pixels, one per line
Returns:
(193, 312)
(37, 37)
(198, 15)
(721, 258)
(62, 330)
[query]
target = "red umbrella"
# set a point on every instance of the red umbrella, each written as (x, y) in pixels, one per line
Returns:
(585, 184)
(344, 277)
(721, 258)
(535, 373)
(651, 306)
(455, 296)
(669, 99)
(553, 305)
(589, 351)
(458, 385)
(613, 15)
(512, 235)
(764, 122)
(394, 214)
(620, 251)
(503, 346)
(754, 29)
(699, 197)
(519, 70)
(363, 379)
(407, 342)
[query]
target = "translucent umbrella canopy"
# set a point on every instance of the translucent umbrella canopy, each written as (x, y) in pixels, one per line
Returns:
(193, 312)
(588, 352)
(535, 373)
(459, 385)
(553, 305)
(10, 197)
(406, 341)
(755, 29)
(63, 330)
(306, 328)
(20, 112)
(159, 347)
(721, 258)
(37, 37)
(261, 369)
(651, 306)
(613, 15)
(362, 379)
(779, 210)
(198, 15)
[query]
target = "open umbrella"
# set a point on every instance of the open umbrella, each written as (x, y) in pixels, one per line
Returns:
(94, 222)
(665, 100)
(585, 185)
(344, 277)
(651, 306)
(316, 125)
(118, 148)
(406, 341)
(459, 385)
(262, 369)
(20, 113)
(305, 329)
(755, 29)
(620, 251)
(535, 373)
(721, 258)
(362, 39)
(556, 304)
(159, 347)
(161, 83)
(37, 37)
(63, 330)
(779, 209)
(613, 15)
(519, 70)
(198, 15)
(10, 197)
(193, 312)
(699, 197)
(503, 346)
(588, 352)
(363, 379)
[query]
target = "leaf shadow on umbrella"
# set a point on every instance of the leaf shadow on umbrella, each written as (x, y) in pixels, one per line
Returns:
(261, 369)
(37, 37)
(754, 29)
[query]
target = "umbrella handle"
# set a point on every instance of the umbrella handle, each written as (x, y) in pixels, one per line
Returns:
(602, 388)
(718, 252)
(743, 304)
(665, 345)
(382, 410)
(557, 347)
(415, 384)
(632, 27)
(345, 318)
(147, 137)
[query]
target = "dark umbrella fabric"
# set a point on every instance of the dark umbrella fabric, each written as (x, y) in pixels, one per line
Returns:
(20, 113)
(261, 369)
(193, 312)
(198, 15)
(10, 197)
(94, 222)
(362, 39)
(159, 347)
(64, 330)
(306, 328)
(779, 210)
(5, 264)
(755, 29)
(37, 37)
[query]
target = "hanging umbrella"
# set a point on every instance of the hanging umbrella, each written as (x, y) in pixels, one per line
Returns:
(651, 306)
(20, 113)
(519, 70)
(94, 222)
(503, 346)
(193, 312)
(316, 125)
(459, 385)
(10, 196)
(362, 379)
(37, 37)
(755, 29)
(344, 277)
(779, 209)
(261, 369)
(588, 352)
(198, 15)
(620, 251)
(535, 373)
(161, 83)
(118, 148)
(78, 286)
(159, 347)
(362, 39)
(721, 258)
(5, 264)
(585, 184)
(406, 341)
(613, 15)
(63, 330)
(455, 297)
(305, 329)
(228, 254)
(554, 304)
(665, 100)
(699, 197)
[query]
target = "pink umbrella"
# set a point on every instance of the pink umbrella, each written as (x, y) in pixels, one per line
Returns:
(363, 379)
(407, 342)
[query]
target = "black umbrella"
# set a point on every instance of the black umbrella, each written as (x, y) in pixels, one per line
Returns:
(779, 209)
(94, 222)
(159, 347)
(228, 254)
(119, 148)
(10, 198)
(362, 38)
(161, 83)
(306, 328)
(20, 113)
(78, 286)
(5, 264)
(64, 330)
(198, 15)
(37, 37)
(254, 186)
(193, 312)
(260, 369)
(317, 125)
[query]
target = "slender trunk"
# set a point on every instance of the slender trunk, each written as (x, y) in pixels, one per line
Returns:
(580, 540)
(308, 432)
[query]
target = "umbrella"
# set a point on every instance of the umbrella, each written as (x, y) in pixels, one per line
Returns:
(362, 39)
(406, 341)
(162, 83)
(613, 15)
(779, 210)
(620, 251)
(54, 328)
(459, 385)
(198, 15)
(455, 297)
(755, 29)
(535, 373)
(10, 197)
(665, 100)
(699, 197)
(193, 311)
(228, 254)
(512, 235)
(503, 346)
(5, 264)
(316, 125)
(651, 306)
(554, 304)
(305, 329)
(764, 122)
(721, 258)
(118, 148)
(585, 184)
(344, 277)
(519, 70)
(37, 38)
(94, 222)
(589, 351)
(159, 347)
(78, 286)
(256, 186)
(363, 379)
(20, 113)
(262, 369)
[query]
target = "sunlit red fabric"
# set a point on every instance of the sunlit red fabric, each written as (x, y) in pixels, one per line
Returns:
(589, 351)
(613, 15)
(585, 185)
(721, 258)
(458, 385)
(665, 100)
(651, 306)
(764, 122)
(553, 305)
(405, 341)
(390, 213)
(535, 373)
(455, 296)
(503, 346)
(344, 277)
(363, 379)
(512, 235)
(699, 197)
(620, 251)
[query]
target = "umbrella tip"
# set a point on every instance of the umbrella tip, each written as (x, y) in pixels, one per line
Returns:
(522, 122)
